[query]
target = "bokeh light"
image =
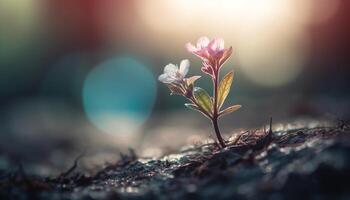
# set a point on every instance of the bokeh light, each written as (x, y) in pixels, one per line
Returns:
(20, 28)
(272, 64)
(268, 35)
(81, 76)
(19, 22)
(320, 11)
(118, 95)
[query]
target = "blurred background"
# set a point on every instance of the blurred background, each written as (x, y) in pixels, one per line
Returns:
(82, 74)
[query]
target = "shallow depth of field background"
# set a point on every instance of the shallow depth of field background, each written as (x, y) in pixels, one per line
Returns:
(82, 74)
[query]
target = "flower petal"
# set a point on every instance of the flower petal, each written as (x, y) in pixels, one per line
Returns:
(220, 43)
(170, 69)
(203, 54)
(165, 78)
(184, 66)
(202, 42)
(191, 48)
(216, 44)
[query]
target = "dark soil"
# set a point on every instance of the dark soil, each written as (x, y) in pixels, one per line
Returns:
(295, 163)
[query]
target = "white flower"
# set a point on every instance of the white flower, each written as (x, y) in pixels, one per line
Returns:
(174, 74)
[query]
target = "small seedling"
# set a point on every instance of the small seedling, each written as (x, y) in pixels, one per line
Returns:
(213, 56)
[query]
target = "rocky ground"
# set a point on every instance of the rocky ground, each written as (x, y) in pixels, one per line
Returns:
(310, 162)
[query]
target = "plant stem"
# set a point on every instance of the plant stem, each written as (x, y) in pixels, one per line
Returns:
(217, 132)
(215, 110)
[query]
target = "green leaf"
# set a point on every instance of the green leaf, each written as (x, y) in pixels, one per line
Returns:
(203, 100)
(194, 107)
(224, 88)
(230, 110)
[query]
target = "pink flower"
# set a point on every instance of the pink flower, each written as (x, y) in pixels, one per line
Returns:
(213, 53)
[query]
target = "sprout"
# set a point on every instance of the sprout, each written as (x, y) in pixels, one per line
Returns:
(213, 56)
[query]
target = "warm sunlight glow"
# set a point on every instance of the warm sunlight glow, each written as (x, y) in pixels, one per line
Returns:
(168, 15)
(266, 35)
